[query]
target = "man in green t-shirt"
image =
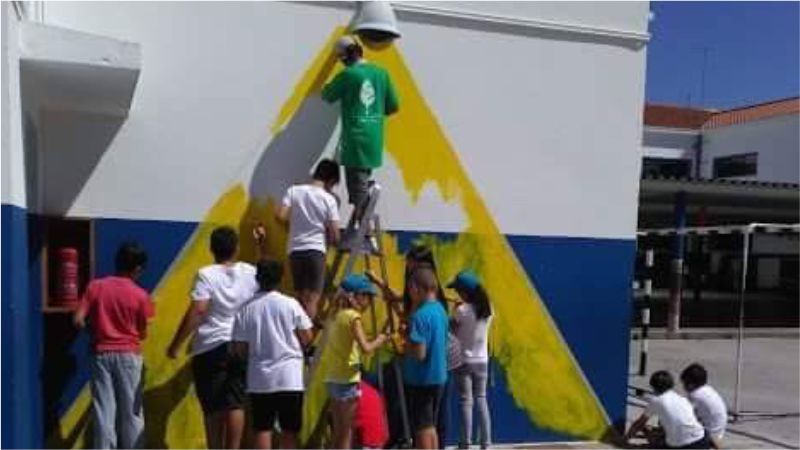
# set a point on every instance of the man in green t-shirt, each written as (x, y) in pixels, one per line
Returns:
(366, 95)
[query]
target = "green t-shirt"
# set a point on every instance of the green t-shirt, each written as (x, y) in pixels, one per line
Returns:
(367, 95)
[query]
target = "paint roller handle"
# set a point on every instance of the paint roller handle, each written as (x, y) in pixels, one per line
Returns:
(388, 294)
(259, 233)
(260, 236)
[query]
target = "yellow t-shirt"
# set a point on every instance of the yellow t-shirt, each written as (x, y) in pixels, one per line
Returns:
(346, 354)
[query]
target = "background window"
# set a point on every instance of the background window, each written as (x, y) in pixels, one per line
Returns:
(665, 167)
(735, 165)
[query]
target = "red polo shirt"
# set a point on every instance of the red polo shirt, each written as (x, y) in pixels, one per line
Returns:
(117, 310)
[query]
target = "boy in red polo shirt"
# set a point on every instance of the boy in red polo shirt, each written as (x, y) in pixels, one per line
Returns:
(117, 310)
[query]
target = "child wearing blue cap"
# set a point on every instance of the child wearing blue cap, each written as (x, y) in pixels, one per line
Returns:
(471, 322)
(348, 342)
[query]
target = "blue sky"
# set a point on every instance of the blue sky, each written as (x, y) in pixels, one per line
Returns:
(752, 54)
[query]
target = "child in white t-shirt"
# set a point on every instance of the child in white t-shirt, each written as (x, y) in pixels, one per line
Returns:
(271, 331)
(219, 291)
(708, 404)
(312, 213)
(675, 415)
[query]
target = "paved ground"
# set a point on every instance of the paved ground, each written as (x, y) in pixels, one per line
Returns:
(770, 383)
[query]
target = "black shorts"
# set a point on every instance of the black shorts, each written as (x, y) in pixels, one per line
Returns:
(287, 407)
(308, 270)
(219, 379)
(423, 405)
(357, 181)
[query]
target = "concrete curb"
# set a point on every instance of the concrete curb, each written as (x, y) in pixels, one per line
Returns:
(720, 333)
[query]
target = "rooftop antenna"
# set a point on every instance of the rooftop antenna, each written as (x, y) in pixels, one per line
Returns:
(703, 78)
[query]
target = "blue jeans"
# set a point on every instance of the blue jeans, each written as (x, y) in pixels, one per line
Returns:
(472, 379)
(117, 400)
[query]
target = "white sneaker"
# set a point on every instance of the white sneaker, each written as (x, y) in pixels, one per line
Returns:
(372, 245)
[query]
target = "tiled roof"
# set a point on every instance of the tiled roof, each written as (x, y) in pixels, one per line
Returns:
(675, 116)
(754, 112)
(671, 116)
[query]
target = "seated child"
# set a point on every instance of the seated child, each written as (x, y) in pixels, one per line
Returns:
(674, 413)
(708, 405)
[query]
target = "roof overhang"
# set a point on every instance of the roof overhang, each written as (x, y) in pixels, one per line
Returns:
(69, 70)
(724, 197)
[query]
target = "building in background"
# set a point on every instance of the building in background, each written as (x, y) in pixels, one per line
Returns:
(705, 167)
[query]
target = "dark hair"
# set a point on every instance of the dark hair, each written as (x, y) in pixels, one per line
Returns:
(268, 274)
(327, 171)
(694, 375)
(479, 300)
(130, 256)
(661, 382)
(224, 242)
(424, 278)
(422, 255)
(352, 53)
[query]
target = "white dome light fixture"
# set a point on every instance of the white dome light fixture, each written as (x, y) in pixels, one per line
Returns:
(375, 21)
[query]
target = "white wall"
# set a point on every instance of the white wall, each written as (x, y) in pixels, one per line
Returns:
(548, 127)
(13, 159)
(670, 143)
(776, 140)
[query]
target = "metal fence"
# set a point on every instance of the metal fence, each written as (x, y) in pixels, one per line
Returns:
(645, 279)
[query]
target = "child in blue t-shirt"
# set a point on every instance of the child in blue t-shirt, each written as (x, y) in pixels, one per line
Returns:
(425, 362)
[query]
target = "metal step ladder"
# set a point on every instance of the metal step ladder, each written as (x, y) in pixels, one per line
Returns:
(362, 238)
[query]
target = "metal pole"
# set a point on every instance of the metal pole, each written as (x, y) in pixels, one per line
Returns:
(648, 292)
(679, 248)
(740, 335)
(375, 331)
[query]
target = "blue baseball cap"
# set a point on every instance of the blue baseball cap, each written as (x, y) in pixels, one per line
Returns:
(465, 280)
(358, 284)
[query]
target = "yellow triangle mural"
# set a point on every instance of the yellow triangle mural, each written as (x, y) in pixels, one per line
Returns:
(541, 373)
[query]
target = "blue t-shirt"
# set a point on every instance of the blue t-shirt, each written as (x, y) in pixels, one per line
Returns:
(428, 326)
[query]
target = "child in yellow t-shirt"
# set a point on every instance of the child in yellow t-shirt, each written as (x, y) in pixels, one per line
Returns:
(347, 343)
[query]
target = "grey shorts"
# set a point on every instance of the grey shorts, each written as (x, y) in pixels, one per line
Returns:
(357, 181)
(308, 270)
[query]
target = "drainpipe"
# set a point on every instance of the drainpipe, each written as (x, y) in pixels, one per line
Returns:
(698, 155)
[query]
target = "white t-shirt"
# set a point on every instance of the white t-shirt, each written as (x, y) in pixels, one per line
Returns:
(710, 410)
(311, 207)
(275, 357)
(472, 333)
(227, 287)
(676, 416)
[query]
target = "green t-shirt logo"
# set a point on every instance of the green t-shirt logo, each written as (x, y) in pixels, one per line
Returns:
(367, 95)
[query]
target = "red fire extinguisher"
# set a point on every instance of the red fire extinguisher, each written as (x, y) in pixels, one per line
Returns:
(67, 281)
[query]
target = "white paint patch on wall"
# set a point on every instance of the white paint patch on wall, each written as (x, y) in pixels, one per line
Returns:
(776, 140)
(548, 129)
(398, 212)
